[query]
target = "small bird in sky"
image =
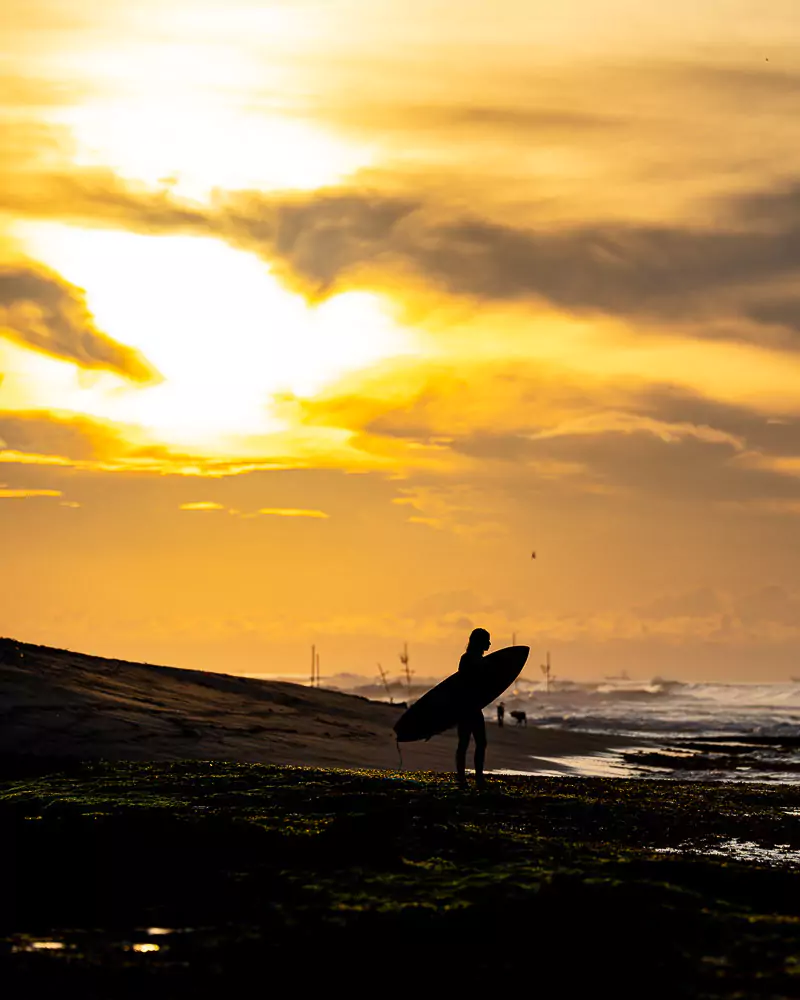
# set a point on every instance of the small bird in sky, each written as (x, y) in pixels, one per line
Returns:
(533, 555)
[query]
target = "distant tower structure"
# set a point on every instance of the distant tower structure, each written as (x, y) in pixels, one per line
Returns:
(385, 680)
(513, 638)
(406, 670)
(314, 667)
(548, 675)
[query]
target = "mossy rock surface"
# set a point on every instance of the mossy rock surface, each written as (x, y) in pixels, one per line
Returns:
(184, 879)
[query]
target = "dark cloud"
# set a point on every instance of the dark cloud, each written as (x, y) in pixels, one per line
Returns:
(776, 210)
(643, 270)
(661, 442)
(675, 467)
(322, 237)
(38, 180)
(641, 462)
(97, 197)
(330, 239)
(38, 432)
(40, 310)
(473, 119)
(517, 118)
(770, 435)
(782, 311)
(731, 84)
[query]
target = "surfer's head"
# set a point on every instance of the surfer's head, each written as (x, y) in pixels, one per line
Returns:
(479, 640)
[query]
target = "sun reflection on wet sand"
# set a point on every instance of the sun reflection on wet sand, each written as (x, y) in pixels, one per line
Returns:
(741, 850)
(45, 945)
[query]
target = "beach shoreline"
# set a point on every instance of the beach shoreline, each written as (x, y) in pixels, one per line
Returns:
(60, 703)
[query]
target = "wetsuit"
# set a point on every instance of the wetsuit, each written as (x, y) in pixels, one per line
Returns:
(471, 723)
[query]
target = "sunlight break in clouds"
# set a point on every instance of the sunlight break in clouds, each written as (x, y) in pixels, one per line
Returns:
(208, 148)
(195, 97)
(222, 333)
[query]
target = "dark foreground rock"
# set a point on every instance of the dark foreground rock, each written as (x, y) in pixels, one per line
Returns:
(193, 878)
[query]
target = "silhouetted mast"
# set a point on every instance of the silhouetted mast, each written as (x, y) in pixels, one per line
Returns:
(314, 667)
(385, 680)
(548, 676)
(404, 661)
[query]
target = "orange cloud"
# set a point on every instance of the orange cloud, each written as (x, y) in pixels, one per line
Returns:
(209, 505)
(41, 311)
(8, 494)
(292, 512)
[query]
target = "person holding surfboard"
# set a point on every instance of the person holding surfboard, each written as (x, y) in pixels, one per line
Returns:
(471, 722)
(459, 700)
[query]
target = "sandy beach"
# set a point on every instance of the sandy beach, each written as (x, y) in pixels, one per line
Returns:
(59, 703)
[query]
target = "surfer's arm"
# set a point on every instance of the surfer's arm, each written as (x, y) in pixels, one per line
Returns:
(469, 664)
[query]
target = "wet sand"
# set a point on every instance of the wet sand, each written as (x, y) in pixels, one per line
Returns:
(59, 703)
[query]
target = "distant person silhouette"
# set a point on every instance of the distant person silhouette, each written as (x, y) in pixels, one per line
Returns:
(501, 711)
(471, 722)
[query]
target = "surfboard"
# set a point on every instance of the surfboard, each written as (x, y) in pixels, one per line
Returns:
(440, 708)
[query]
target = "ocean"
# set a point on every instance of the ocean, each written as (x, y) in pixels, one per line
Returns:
(698, 732)
(702, 732)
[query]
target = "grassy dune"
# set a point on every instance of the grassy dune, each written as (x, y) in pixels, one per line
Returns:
(270, 877)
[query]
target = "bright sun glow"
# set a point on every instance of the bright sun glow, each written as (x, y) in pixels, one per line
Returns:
(195, 149)
(224, 334)
(204, 103)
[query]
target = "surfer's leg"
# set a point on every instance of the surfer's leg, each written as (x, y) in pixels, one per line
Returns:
(479, 732)
(464, 731)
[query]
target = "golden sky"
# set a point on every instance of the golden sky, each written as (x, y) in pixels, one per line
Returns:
(317, 317)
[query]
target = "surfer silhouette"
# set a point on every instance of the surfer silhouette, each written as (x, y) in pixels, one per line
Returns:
(471, 723)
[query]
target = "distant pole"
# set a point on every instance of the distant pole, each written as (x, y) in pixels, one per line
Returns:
(404, 661)
(513, 638)
(385, 680)
(545, 668)
(317, 665)
(313, 664)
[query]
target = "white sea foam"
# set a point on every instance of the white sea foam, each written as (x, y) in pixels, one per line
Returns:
(666, 715)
